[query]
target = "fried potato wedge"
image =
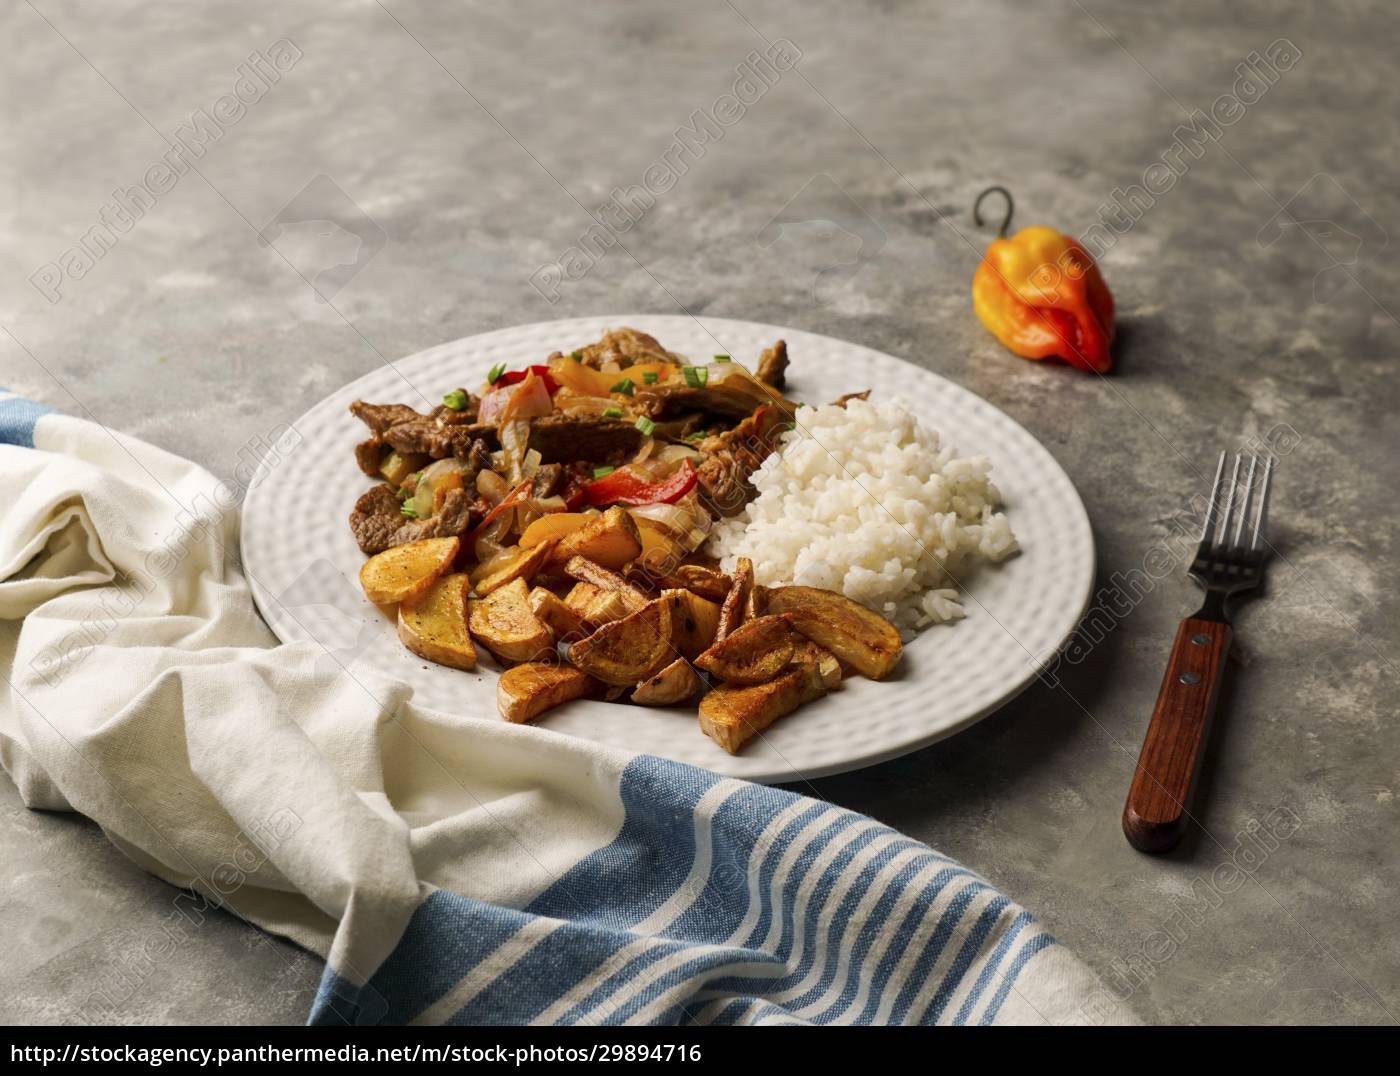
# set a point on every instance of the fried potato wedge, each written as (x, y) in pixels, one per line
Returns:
(862, 639)
(675, 683)
(406, 571)
(434, 626)
(732, 715)
(558, 617)
(580, 596)
(823, 660)
(523, 565)
(587, 571)
(610, 539)
(630, 650)
(707, 582)
(526, 691)
(696, 620)
(754, 653)
(504, 623)
(731, 613)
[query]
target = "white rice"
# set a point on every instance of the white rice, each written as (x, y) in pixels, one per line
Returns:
(863, 500)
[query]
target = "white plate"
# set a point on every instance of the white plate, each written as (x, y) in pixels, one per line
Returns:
(303, 564)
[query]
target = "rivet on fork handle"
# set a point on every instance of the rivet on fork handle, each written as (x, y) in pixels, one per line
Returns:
(1158, 807)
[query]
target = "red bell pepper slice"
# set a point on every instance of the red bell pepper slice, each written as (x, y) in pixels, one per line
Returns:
(511, 377)
(624, 486)
(506, 502)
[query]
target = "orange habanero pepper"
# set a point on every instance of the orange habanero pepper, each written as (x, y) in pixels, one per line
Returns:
(1041, 294)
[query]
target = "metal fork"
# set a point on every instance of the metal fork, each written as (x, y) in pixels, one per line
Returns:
(1229, 561)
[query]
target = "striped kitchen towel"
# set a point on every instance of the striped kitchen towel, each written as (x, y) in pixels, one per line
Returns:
(449, 871)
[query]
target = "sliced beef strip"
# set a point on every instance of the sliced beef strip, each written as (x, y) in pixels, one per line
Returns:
(626, 347)
(731, 458)
(547, 480)
(676, 398)
(564, 438)
(378, 524)
(379, 417)
(368, 455)
(772, 365)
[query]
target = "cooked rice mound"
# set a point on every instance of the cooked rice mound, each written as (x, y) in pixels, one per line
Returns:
(862, 500)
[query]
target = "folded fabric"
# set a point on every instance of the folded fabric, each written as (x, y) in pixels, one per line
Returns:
(447, 869)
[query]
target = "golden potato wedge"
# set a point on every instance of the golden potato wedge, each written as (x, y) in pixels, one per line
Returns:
(526, 691)
(753, 653)
(696, 621)
(823, 660)
(435, 626)
(732, 715)
(629, 650)
(580, 596)
(504, 623)
(610, 539)
(555, 525)
(587, 571)
(523, 565)
(607, 606)
(731, 613)
(675, 683)
(863, 639)
(709, 583)
(559, 618)
(406, 571)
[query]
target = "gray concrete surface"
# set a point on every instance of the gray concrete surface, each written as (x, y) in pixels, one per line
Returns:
(191, 334)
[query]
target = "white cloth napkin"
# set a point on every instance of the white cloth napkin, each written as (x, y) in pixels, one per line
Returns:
(447, 870)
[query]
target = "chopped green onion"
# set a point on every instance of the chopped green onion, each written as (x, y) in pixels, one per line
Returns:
(613, 412)
(696, 376)
(407, 510)
(456, 399)
(722, 358)
(649, 377)
(698, 435)
(577, 356)
(600, 472)
(646, 425)
(625, 386)
(496, 372)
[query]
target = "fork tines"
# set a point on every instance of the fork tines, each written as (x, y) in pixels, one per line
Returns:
(1231, 507)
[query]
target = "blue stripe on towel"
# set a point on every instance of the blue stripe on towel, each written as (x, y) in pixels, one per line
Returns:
(710, 903)
(17, 419)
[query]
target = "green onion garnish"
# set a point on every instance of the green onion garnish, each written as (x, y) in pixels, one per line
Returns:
(722, 358)
(407, 510)
(646, 425)
(600, 472)
(698, 435)
(577, 356)
(456, 399)
(696, 376)
(613, 412)
(649, 377)
(625, 386)
(495, 374)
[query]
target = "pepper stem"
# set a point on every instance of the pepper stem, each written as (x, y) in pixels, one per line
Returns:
(1010, 208)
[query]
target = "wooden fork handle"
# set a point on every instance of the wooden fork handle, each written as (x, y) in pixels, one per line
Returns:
(1155, 816)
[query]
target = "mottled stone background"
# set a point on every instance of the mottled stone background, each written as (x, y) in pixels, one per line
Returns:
(472, 164)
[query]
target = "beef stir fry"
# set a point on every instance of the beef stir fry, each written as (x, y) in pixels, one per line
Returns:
(556, 514)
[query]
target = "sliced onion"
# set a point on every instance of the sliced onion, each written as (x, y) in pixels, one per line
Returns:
(490, 541)
(686, 521)
(676, 453)
(531, 464)
(492, 486)
(515, 439)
